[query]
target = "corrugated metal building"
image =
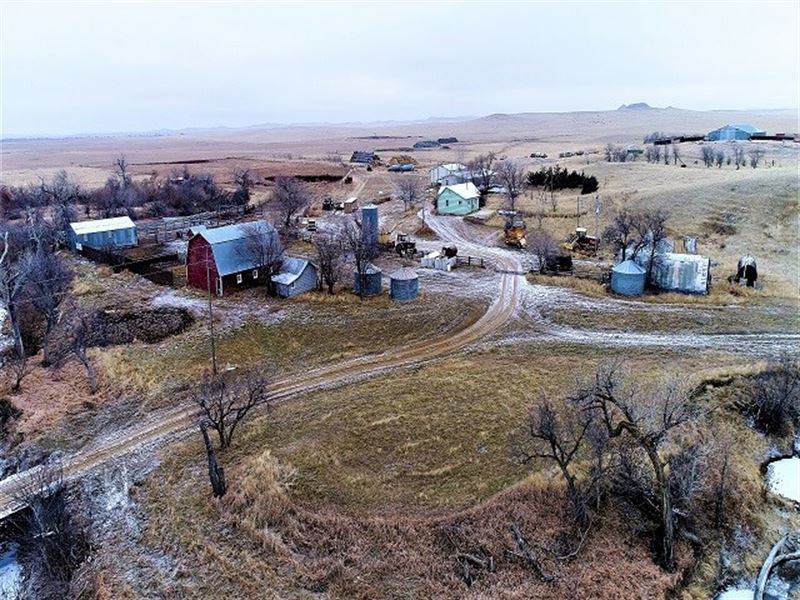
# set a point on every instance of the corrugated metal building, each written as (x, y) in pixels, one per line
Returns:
(404, 285)
(734, 132)
(117, 232)
(449, 174)
(227, 258)
(371, 279)
(460, 199)
(367, 158)
(687, 273)
(628, 279)
(297, 276)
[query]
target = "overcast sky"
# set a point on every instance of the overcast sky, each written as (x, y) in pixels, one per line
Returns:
(79, 67)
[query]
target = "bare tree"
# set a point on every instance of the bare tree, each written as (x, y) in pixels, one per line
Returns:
(79, 331)
(511, 176)
(121, 171)
(646, 422)
(329, 249)
(225, 401)
(676, 153)
(244, 183)
(361, 253)
(215, 473)
(54, 540)
(49, 282)
(622, 234)
(755, 154)
(292, 196)
(263, 249)
(551, 436)
(410, 190)
(738, 156)
(543, 247)
(16, 267)
(481, 173)
(651, 226)
(707, 152)
(62, 193)
(20, 368)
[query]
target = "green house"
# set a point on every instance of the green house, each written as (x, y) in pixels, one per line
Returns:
(460, 199)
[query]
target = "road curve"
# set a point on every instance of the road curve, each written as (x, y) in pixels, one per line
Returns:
(175, 422)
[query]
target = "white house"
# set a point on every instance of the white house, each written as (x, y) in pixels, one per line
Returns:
(459, 199)
(449, 174)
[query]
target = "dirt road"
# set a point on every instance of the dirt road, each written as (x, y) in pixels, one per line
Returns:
(182, 420)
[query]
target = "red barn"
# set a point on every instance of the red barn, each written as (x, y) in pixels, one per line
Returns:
(228, 258)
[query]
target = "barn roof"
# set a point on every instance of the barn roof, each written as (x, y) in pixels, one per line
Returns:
(291, 269)
(232, 245)
(465, 190)
(101, 225)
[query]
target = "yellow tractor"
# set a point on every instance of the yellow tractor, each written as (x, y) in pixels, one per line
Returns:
(580, 242)
(515, 231)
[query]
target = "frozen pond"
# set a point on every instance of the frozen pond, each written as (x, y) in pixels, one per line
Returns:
(10, 572)
(783, 478)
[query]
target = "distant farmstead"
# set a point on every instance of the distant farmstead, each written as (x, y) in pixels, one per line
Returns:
(459, 199)
(297, 276)
(426, 144)
(730, 133)
(223, 259)
(118, 232)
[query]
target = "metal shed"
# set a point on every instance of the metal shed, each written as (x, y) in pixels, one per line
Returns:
(404, 285)
(687, 273)
(628, 279)
(297, 276)
(734, 132)
(372, 283)
(117, 232)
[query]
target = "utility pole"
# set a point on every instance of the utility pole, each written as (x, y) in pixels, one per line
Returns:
(211, 315)
(597, 220)
(577, 211)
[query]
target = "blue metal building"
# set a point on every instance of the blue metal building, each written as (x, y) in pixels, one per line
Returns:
(372, 282)
(404, 285)
(729, 133)
(628, 279)
(117, 232)
(297, 276)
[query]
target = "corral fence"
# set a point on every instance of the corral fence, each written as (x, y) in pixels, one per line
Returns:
(157, 268)
(471, 261)
(172, 228)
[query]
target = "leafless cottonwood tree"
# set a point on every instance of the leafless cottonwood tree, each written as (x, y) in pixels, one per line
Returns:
(755, 154)
(551, 436)
(244, 183)
(62, 194)
(409, 190)
(676, 154)
(511, 176)
(225, 401)
(481, 170)
(49, 282)
(215, 472)
(54, 540)
(361, 253)
(707, 153)
(543, 247)
(16, 267)
(622, 234)
(121, 171)
(647, 423)
(329, 249)
(738, 156)
(262, 247)
(651, 226)
(79, 332)
(292, 196)
(719, 158)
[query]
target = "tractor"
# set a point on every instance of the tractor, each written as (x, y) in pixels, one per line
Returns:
(404, 246)
(515, 230)
(580, 242)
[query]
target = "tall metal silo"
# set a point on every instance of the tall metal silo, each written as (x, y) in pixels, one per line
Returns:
(369, 225)
(404, 285)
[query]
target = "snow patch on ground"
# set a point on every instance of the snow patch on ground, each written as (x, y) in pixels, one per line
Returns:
(783, 478)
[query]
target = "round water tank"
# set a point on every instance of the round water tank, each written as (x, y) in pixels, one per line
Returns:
(370, 281)
(628, 279)
(404, 285)
(369, 225)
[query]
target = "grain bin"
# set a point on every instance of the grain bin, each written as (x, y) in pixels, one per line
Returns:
(369, 225)
(404, 285)
(628, 278)
(371, 279)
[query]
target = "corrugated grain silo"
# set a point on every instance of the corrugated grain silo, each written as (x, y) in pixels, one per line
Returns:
(369, 224)
(628, 278)
(404, 285)
(371, 279)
